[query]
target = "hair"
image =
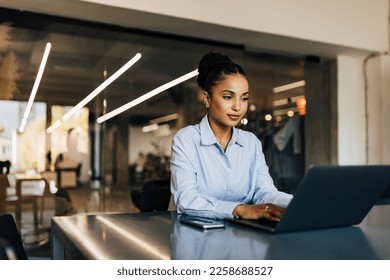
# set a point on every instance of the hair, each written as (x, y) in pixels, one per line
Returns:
(214, 67)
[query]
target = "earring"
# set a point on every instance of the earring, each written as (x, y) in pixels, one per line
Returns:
(205, 97)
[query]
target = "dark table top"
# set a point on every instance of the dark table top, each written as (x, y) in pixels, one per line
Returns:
(159, 235)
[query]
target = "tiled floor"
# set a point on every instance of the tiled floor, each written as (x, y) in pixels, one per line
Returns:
(108, 199)
(85, 199)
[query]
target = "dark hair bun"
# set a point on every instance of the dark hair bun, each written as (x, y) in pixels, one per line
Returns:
(208, 63)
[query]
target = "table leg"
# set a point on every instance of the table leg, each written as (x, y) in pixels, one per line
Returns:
(18, 214)
(18, 206)
(35, 214)
(58, 250)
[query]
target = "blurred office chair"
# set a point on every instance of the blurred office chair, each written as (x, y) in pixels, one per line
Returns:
(7, 252)
(154, 196)
(12, 244)
(68, 175)
(384, 199)
(5, 167)
(16, 195)
(35, 241)
(386, 194)
(13, 199)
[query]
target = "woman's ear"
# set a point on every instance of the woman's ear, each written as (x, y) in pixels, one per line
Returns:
(206, 99)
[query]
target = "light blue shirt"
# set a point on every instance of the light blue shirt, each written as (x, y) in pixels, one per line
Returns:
(208, 182)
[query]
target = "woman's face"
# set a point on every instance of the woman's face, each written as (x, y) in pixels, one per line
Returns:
(228, 101)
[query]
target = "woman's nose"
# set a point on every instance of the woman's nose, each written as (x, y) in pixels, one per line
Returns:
(236, 105)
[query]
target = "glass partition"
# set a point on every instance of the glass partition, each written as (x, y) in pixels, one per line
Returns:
(26, 150)
(84, 54)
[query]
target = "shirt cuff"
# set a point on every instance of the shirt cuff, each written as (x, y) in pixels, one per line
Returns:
(225, 209)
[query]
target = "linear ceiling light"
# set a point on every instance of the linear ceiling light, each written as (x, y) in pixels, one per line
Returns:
(51, 128)
(35, 87)
(288, 86)
(94, 93)
(146, 96)
(285, 101)
(150, 127)
(166, 118)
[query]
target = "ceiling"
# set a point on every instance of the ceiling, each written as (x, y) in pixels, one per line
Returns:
(82, 51)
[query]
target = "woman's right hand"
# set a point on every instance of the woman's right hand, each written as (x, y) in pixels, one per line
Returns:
(253, 212)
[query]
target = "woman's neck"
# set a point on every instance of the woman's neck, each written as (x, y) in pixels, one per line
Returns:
(223, 134)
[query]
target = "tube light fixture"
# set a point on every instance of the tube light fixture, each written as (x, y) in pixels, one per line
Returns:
(288, 86)
(94, 93)
(35, 87)
(51, 128)
(146, 96)
(166, 118)
(149, 128)
(286, 101)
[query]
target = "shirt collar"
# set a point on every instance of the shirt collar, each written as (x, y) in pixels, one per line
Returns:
(208, 138)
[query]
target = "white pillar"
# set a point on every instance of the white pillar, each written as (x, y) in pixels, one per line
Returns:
(374, 110)
(364, 117)
(351, 120)
(385, 91)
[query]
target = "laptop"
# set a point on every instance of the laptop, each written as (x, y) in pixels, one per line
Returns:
(328, 197)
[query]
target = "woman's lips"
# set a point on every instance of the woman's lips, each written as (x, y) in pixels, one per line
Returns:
(234, 117)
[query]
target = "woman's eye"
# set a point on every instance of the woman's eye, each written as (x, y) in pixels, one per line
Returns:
(227, 97)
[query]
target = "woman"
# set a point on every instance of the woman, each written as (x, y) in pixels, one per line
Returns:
(219, 171)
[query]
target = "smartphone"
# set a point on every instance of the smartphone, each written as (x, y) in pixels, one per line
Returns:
(203, 223)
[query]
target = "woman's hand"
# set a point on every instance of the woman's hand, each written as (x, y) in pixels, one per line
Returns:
(253, 212)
